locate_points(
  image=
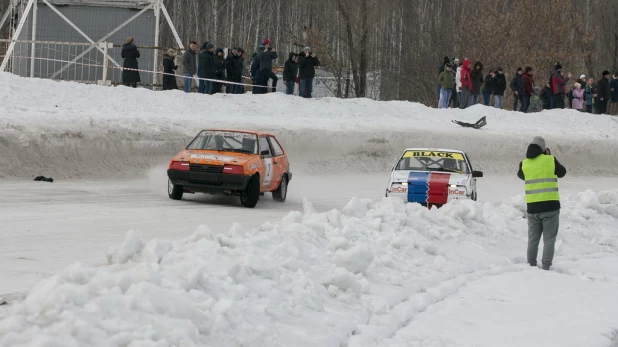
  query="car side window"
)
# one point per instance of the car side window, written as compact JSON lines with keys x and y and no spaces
{"x":277,"y":150}
{"x":265,"y":147}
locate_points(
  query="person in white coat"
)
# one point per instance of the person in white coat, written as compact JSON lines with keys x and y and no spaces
{"x":458,"y":85}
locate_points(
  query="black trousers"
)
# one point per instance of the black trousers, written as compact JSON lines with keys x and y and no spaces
{"x":267,"y":73}
{"x":602,"y":106}
{"x":255,"y":81}
{"x":559,"y":100}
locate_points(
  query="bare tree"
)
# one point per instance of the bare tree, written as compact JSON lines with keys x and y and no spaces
{"x":391,"y":50}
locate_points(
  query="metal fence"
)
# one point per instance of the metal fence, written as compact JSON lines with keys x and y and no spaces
{"x":93,"y":63}
{"x":78,"y":61}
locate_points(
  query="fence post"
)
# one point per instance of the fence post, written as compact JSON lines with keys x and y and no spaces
{"x":157,"y":13}
{"x":33,"y":48}
{"x":105,"y":62}
{"x":9,"y":51}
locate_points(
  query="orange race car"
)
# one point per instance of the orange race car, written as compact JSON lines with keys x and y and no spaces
{"x":233,"y":162}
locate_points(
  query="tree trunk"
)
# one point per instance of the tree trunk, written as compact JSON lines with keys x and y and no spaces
{"x":363,"y":51}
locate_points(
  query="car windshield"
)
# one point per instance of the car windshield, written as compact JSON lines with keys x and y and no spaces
{"x":433,"y":161}
{"x":229,"y":141}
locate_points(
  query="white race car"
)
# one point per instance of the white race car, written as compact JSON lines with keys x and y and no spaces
{"x":433,"y":176}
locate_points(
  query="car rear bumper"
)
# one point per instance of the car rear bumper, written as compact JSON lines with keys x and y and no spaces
{"x":208,"y":182}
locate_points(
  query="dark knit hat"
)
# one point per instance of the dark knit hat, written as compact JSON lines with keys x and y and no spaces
{"x":605,"y":73}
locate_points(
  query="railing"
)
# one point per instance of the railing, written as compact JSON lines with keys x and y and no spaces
{"x":92,"y":63}
{"x":77,"y":61}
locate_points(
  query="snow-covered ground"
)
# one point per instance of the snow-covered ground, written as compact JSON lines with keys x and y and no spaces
{"x":108,"y":262}
{"x":372,"y":273}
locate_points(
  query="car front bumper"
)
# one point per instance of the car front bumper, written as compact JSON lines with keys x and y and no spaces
{"x":208,"y":182}
{"x":424,"y":198}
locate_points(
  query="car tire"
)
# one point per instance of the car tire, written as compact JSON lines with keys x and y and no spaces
{"x":250,"y":196}
{"x":282,"y":191}
{"x":174,"y":191}
{"x":474,"y":196}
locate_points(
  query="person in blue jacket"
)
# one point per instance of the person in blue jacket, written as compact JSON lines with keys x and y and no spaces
{"x":256,"y":72}
{"x":266,"y":65}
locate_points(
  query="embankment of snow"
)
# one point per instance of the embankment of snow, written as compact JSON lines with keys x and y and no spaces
{"x":351,"y":277}
{"x":71,"y":130}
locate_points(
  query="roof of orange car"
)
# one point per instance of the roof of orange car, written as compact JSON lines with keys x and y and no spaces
{"x":240,"y":131}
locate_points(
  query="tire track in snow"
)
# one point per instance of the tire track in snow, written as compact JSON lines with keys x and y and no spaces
{"x":404,"y":312}
{"x":386,"y":326}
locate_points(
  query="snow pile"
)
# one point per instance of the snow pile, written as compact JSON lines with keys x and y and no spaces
{"x":74,"y":130}
{"x":359,"y":276}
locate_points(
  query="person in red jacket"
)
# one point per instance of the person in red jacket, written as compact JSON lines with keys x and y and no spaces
{"x":558,"y":83}
{"x":528,"y":86}
{"x":466,"y":83}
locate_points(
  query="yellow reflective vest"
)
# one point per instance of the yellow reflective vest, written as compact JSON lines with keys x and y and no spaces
{"x":541,"y":180}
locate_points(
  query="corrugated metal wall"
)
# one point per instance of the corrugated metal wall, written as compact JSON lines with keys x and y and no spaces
{"x":95,"y":22}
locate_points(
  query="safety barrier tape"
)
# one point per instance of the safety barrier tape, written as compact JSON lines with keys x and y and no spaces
{"x":142,"y":70}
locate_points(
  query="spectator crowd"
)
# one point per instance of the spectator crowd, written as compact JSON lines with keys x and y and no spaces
{"x":218,"y":72}
{"x":461,"y":86}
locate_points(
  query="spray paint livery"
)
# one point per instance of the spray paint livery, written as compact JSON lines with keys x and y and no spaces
{"x":232,"y":162}
{"x":433,"y":176}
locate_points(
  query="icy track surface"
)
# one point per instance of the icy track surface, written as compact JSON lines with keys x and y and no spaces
{"x":374,"y":273}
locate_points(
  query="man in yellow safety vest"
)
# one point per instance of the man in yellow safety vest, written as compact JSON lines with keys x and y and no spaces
{"x":540,"y":170}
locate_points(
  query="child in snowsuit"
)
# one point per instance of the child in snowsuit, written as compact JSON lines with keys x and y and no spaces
{"x":578,"y":98}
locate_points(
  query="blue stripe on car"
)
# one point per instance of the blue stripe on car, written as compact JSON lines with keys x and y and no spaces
{"x":418,"y":186}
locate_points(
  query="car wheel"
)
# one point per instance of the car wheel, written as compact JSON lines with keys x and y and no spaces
{"x":249,"y":197}
{"x":282,"y":191}
{"x":174,"y":191}
{"x":474,"y":196}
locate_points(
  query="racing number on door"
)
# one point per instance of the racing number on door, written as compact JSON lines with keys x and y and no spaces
{"x":267,"y":160}
{"x":268,"y":169}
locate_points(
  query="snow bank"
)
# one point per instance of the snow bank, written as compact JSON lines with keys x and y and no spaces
{"x":359,"y":276}
{"x":70,"y":130}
